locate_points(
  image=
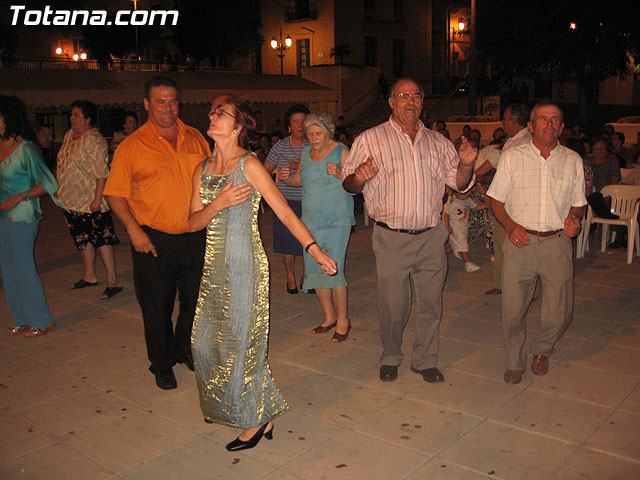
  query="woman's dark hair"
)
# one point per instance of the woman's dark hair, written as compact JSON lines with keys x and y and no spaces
{"x":577,"y":146}
{"x":89,"y":110}
{"x":244,"y":120}
{"x":297,"y":108}
{"x":599,"y":139}
{"x":14,"y":113}
{"x":128,"y":114}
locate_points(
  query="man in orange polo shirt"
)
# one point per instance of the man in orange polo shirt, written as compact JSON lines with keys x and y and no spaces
{"x":149,"y":189}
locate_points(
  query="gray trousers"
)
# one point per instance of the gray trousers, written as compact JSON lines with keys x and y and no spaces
{"x":499,"y":236}
{"x":399,"y":258}
{"x":551,"y":260}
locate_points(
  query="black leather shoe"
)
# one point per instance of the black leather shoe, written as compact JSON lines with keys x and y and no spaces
{"x":431,"y":375}
{"x":388,"y":373}
{"x":238,"y":444}
{"x":186,"y":359}
{"x":165,"y":379}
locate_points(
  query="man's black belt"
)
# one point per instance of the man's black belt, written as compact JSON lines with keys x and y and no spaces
{"x":401,"y":230}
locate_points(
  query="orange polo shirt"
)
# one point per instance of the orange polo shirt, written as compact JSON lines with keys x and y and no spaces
{"x":154,"y":178}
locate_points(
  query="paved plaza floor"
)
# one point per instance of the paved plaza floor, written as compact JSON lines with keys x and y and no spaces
{"x":79,"y":403}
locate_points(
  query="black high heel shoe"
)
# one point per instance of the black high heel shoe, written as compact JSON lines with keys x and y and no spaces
{"x":269,"y":435}
{"x":238,"y":444}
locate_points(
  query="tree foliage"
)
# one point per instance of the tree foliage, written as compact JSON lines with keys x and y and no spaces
{"x":218,"y":31}
{"x":526,"y":36}
{"x":341,"y":51}
{"x":103,"y":41}
{"x":532,"y":36}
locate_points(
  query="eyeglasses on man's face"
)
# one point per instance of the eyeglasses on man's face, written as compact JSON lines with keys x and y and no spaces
{"x":404,"y":96}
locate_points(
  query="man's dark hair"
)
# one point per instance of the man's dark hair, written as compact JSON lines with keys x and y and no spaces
{"x":89,"y":110}
{"x":620,"y":136}
{"x":158,"y":81}
{"x":297,"y":108}
{"x":16,"y":121}
{"x":520,"y":113}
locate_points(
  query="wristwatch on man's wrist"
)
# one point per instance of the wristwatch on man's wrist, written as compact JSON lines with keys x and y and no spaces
{"x":27,"y":197}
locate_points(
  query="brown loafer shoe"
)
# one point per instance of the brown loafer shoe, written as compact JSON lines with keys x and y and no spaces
{"x":513,"y":377}
{"x":540,"y":364}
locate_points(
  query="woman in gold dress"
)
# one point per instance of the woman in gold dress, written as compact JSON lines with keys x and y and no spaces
{"x":231,"y":326}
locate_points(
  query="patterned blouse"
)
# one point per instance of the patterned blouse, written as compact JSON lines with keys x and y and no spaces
{"x":80,"y":163}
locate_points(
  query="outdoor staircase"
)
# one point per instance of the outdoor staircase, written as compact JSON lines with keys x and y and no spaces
{"x":375,"y":115}
{"x":437,"y":107}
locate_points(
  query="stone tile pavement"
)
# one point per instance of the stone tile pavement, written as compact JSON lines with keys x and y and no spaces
{"x":79,"y":403}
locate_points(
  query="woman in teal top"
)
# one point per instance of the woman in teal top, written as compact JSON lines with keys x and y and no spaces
{"x":23,"y":178}
{"x":328,"y":213}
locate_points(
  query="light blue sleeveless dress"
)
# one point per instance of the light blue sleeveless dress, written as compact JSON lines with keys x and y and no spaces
{"x":231,"y":324}
{"x":327,"y":211}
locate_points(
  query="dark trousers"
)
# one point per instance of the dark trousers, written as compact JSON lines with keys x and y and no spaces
{"x":178,"y":267}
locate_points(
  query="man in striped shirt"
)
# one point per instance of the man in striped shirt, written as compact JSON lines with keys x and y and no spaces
{"x":402,"y":169}
{"x":537,"y":195}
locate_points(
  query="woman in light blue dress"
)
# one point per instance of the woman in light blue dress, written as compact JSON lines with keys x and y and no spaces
{"x":328,"y":213}
{"x":23,"y":178}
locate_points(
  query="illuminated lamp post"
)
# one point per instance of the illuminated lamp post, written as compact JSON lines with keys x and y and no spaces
{"x":280,"y":46}
{"x":135,"y":8}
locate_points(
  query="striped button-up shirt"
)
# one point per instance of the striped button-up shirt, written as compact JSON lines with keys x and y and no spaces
{"x":537,"y":193}
{"x":408,"y":189}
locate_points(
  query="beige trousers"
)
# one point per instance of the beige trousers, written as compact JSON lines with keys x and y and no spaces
{"x":551,"y":260}
{"x":401,"y":257}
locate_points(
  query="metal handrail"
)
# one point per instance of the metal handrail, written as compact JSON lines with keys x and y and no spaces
{"x":361,"y":98}
{"x":450,"y":94}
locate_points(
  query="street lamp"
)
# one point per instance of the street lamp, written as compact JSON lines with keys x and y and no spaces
{"x":135,"y":8}
{"x":280,"y":46}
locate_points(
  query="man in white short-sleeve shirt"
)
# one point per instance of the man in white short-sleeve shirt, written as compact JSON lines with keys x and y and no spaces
{"x":537,"y":195}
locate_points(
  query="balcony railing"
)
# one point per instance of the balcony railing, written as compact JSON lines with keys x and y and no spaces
{"x":92,"y":64}
{"x":293,"y":13}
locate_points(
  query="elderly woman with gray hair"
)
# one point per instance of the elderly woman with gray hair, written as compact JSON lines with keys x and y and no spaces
{"x":328,"y":213}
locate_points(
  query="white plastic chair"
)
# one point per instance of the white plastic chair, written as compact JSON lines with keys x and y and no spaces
{"x":582,"y":243}
{"x":625,"y":201}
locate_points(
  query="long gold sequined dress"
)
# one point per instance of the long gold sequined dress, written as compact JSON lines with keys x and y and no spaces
{"x":231,"y":325}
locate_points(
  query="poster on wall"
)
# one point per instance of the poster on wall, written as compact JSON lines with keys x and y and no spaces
{"x":491,"y":106}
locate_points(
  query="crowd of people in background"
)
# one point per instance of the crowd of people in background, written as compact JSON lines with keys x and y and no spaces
{"x":422,"y":189}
